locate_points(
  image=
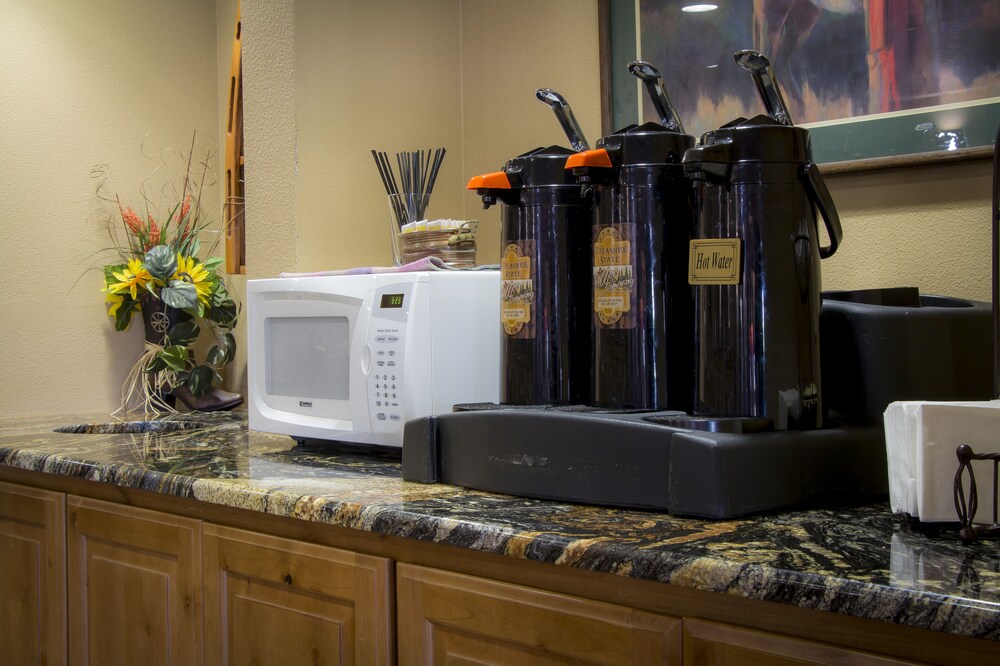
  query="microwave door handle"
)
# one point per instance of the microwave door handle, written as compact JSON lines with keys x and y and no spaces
{"x":366,"y":359}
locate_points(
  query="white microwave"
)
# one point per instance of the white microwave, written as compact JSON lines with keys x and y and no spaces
{"x":354,"y":357}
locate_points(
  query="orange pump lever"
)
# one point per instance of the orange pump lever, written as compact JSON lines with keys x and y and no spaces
{"x":489,"y":181}
{"x":589,"y":158}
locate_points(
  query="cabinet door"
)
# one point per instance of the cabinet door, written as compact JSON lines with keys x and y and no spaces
{"x":446,"y":618}
{"x":33,"y":575}
{"x":717,"y":644}
{"x":270,"y":600}
{"x":134,"y":585}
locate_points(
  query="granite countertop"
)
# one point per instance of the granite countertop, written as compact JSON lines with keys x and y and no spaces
{"x":862,"y":561}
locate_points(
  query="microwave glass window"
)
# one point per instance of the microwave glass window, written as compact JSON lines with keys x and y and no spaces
{"x":308,"y":357}
{"x":391,"y":301}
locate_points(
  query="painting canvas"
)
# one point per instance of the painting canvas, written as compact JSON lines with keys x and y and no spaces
{"x":835,"y":60}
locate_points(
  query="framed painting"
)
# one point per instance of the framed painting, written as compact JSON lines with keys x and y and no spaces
{"x":877,"y":82}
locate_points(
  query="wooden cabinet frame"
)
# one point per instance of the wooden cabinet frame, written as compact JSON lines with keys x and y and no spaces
{"x":293,"y":602}
{"x":33,"y":555}
{"x":134,"y":581}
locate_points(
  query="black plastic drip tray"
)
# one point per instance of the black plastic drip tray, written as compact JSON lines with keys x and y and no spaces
{"x":640,"y":460}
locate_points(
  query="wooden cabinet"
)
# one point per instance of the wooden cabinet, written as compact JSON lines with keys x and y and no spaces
{"x":32,"y":575}
{"x":134,"y":581}
{"x":270,"y":600}
{"x":183,"y":582}
{"x":446,"y":618}
{"x":717,"y":644}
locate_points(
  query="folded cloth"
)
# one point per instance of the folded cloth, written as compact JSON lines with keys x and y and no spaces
{"x":422,"y":264}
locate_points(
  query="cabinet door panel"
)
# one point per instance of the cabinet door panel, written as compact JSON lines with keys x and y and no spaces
{"x":717,"y":644}
{"x":281,"y":601}
{"x":33,"y":575}
{"x":446,"y":618}
{"x":134,"y":585}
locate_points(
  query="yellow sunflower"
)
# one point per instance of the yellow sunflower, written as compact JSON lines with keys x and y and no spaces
{"x":189,"y":270}
{"x":132,"y":278}
{"x":116,"y":301}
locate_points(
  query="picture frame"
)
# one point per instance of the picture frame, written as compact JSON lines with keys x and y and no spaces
{"x":830,"y":70}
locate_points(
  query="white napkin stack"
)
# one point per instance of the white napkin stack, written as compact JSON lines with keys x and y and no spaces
{"x":921,"y":438}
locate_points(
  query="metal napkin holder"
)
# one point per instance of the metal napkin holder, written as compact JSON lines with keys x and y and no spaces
{"x":967,"y":503}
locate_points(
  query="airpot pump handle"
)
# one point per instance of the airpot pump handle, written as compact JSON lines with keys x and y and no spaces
{"x":763,"y":77}
{"x":565,"y":116}
{"x":657,"y":93}
{"x":820,"y":195}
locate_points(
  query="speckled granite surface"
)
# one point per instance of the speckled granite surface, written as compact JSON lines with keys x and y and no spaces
{"x":861,"y":561}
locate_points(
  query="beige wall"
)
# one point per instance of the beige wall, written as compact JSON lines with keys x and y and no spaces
{"x":925,"y":226}
{"x":325,"y":82}
{"x":83,"y":83}
{"x":509,"y":50}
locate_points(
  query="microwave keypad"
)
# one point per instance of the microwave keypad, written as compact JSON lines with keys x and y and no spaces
{"x":385,"y":384}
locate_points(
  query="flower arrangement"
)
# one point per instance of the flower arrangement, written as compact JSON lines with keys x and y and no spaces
{"x":158,"y":272}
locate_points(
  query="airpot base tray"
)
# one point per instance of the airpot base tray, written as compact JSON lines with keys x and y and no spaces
{"x":644,"y":460}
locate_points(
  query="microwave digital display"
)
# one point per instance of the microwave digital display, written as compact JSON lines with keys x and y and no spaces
{"x":391,"y":301}
{"x":324,"y":341}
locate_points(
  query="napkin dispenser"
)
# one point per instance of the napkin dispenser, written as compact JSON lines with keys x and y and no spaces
{"x":921,"y":438}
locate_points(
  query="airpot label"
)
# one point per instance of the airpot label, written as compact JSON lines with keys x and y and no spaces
{"x":613,"y":277}
{"x":518,"y":288}
{"x":715,"y":261}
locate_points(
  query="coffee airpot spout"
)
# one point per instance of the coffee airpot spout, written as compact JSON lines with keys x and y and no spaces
{"x":763,"y":77}
{"x":657,"y":93}
{"x":565,"y":116}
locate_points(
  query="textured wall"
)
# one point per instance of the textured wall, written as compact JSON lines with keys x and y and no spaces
{"x":269,"y":135}
{"x":927,"y":227}
{"x":509,"y":50}
{"x":81,"y":84}
{"x":328,"y":82}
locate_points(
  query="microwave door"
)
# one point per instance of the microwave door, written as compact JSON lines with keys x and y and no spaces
{"x":303,"y":348}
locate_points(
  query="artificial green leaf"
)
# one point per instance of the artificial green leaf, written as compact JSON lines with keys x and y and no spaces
{"x":174,"y":356}
{"x":181,"y":295}
{"x":161,"y":262}
{"x":212,"y":264}
{"x":184,"y":333}
{"x":215,"y":356}
{"x":156,"y":365}
{"x":109,"y":273}
{"x":123,"y":316}
{"x":200,"y":380}
{"x":224,"y":313}
{"x":229,"y":343}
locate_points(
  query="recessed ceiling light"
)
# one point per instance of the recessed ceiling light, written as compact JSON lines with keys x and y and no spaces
{"x":694,"y":9}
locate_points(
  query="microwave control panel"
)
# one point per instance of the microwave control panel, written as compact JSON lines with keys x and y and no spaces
{"x":385,"y":383}
{"x":387,"y":339}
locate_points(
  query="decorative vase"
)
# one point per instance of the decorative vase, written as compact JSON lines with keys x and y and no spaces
{"x":158,"y":318}
{"x":158,"y":391}
{"x":145,"y":391}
